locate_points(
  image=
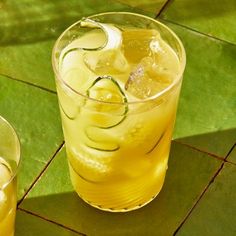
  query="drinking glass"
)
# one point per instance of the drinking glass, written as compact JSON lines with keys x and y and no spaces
{"x":118,"y":121}
{"x":9,"y":164}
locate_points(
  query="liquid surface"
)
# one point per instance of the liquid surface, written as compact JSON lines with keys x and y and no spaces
{"x":7,"y":200}
{"x":118,"y":152}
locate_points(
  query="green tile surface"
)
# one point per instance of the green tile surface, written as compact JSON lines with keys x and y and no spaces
{"x":216,"y":18}
{"x":25,"y":24}
{"x":28,"y":25}
{"x":232,"y":155}
{"x":215,"y":213}
{"x":33,"y":20}
{"x":152,"y":6}
{"x":188,"y":174}
{"x":29,"y":62}
{"x":34,"y":114}
{"x":206,"y":120}
{"x":29,"y":225}
{"x":206,"y":116}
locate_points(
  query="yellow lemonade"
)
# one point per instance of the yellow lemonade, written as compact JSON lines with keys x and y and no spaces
{"x":118,"y":117}
{"x":7,"y":200}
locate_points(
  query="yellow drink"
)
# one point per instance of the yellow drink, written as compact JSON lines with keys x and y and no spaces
{"x":7,"y":200}
{"x":9,"y":163}
{"x":118,"y":105}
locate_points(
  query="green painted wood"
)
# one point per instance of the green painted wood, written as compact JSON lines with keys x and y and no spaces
{"x":206,"y":116}
{"x":215,"y":213}
{"x":29,"y":225}
{"x":188,"y":174}
{"x":34,"y":114}
{"x":215,"y":18}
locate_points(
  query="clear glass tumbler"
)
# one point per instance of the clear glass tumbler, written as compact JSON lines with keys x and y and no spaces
{"x":118,"y":78}
{"x":9,"y":164}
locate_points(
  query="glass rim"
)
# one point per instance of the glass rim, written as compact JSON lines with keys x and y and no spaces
{"x":14,"y":173}
{"x":149,"y":99}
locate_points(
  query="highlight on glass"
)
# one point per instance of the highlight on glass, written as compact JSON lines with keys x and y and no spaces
{"x":118,"y":78}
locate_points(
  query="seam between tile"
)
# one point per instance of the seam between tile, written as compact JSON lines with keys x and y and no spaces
{"x":166,"y":4}
{"x":230,"y":162}
{"x":51,"y":221}
{"x":196,"y":31}
{"x":28,"y":83}
{"x":40,"y":174}
{"x":234,"y":146}
{"x":199,"y":150}
{"x":199,"y":198}
{"x":34,"y":41}
{"x":204,"y":191}
{"x":231,"y":150}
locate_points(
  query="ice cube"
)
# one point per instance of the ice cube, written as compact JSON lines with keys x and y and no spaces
{"x":108,"y":58}
{"x":147,"y":79}
{"x":155,"y":46}
{"x":165,"y":59}
{"x":106,"y":61}
{"x":137,"y":43}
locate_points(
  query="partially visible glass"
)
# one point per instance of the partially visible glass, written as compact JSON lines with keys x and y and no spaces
{"x":9,"y":164}
{"x":118,"y":78}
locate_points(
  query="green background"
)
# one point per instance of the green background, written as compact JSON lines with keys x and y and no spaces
{"x":198,"y":197}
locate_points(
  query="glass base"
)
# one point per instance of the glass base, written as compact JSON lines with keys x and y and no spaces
{"x":120,"y":209}
{"x":122,"y":197}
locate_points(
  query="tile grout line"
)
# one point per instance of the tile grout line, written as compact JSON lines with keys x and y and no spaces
{"x":28,"y":83}
{"x":51,"y":221}
{"x":225,"y":159}
{"x":230,"y":162}
{"x":40,"y":174}
{"x":196,"y":31}
{"x":204,"y":191}
{"x":166,"y":4}
{"x":231,"y":149}
{"x":199,"y":198}
{"x":199,"y":150}
{"x":29,"y":41}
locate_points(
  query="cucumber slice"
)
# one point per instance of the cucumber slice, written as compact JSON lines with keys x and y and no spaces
{"x":72,"y":117}
{"x":100,"y":140}
{"x":104,"y":115}
{"x":112,"y":109}
{"x":156,"y":144}
{"x":104,"y":147}
{"x":87,"y":171}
